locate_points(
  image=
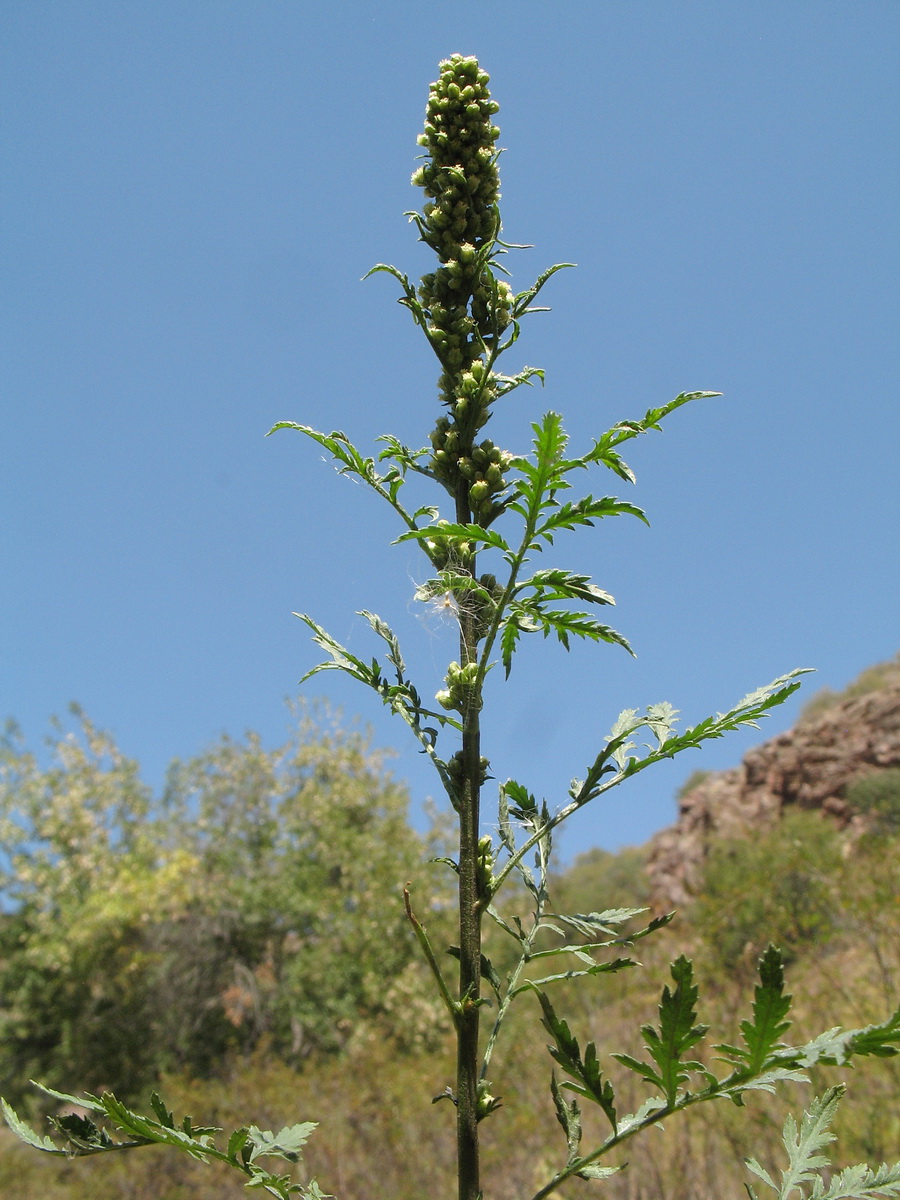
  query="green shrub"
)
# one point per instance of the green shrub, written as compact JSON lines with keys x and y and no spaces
{"x":878,"y":795}
{"x":776,"y":886}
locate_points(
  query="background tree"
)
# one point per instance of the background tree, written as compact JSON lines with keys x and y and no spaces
{"x":141,"y":937}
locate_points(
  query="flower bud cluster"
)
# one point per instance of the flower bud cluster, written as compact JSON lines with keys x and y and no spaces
{"x":484,"y":603}
{"x":485,"y":864}
{"x":466,"y":306}
{"x":461,"y":179}
{"x":455,"y":768}
{"x":482,"y":467}
{"x":460,"y":689}
{"x":445,"y":551}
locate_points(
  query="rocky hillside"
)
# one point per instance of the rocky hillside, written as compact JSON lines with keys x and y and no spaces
{"x":838,"y":739}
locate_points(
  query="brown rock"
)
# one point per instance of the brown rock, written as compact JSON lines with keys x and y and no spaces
{"x":810,"y":766}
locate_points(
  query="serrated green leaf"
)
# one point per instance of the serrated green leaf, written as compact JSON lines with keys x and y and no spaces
{"x":25,"y":1133}
{"x":764,"y":1082}
{"x":618,"y":743}
{"x":837,"y":1046}
{"x":770,"y":1007}
{"x":859,"y":1183}
{"x":804,"y":1145}
{"x":524,"y":801}
{"x":604,"y":449}
{"x":651,"y":1106}
{"x":640,"y":1068}
{"x":509,"y":637}
{"x":590,"y":924}
{"x":760,"y":1171}
{"x":661,"y":719}
{"x":595,"y":1171}
{"x":163,"y":1115}
{"x":585,"y":1071}
{"x":236,"y":1145}
{"x":595,"y":968}
{"x":585,"y":512}
{"x":287,"y":1143}
{"x":882,"y":1040}
{"x":151,"y":1131}
{"x":677,"y":1033}
{"x":87,"y":1101}
{"x":556,"y":584}
{"x":529,"y":616}
{"x":446,"y":530}
{"x":569,"y":1116}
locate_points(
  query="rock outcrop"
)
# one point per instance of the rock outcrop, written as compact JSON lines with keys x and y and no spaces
{"x":808,"y":767}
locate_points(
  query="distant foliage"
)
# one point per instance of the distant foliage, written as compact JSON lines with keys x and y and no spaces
{"x":878,"y":795}
{"x":599,"y":879}
{"x":141,"y":936}
{"x":777,"y":885}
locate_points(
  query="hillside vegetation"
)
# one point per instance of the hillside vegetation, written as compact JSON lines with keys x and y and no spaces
{"x":242,"y":939}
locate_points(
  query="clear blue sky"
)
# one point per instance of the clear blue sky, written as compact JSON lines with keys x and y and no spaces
{"x":192,"y":193}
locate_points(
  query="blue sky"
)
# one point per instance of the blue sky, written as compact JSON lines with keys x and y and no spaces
{"x":192,"y":193}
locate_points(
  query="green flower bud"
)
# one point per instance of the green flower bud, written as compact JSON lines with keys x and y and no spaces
{"x":485,"y":1105}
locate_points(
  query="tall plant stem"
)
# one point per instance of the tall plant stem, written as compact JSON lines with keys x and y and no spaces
{"x":470,"y":915}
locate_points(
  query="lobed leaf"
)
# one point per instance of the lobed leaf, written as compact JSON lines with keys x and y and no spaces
{"x":531,"y":617}
{"x":556,"y":584}
{"x":770,"y":1007}
{"x":25,"y":1133}
{"x":83,"y":1137}
{"x":604,"y":449}
{"x":859,"y":1183}
{"x":287,"y":1143}
{"x":677,"y":1033}
{"x":835,"y":1047}
{"x":446,"y":530}
{"x":584,"y":1070}
{"x":585,"y":512}
{"x":804,"y":1145}
{"x":569,"y":1116}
